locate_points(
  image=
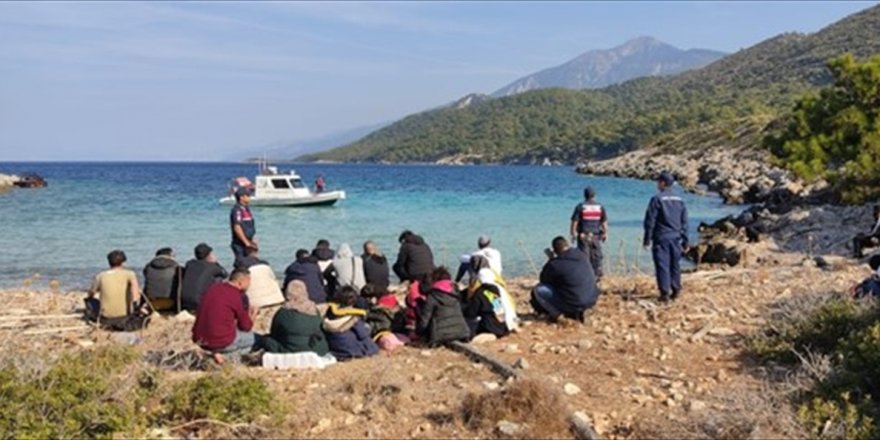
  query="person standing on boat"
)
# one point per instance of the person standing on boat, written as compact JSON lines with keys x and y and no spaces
{"x":589,"y":226}
{"x":666,"y":232}
{"x":241,"y":222}
{"x":319,"y":184}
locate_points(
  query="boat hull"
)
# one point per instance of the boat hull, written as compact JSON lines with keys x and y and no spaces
{"x":322,"y":199}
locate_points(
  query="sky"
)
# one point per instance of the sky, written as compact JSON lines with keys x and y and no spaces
{"x":202,"y":81}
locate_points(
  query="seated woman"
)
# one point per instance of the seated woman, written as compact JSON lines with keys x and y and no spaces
{"x":296,"y":326}
{"x":489,"y":308}
{"x":440,"y":317}
{"x":347,"y":333}
{"x":385,"y":318}
{"x":346,"y":269}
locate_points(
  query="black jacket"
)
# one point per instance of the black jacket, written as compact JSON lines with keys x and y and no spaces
{"x":197,"y":276}
{"x":441,"y":319}
{"x":376,"y":271}
{"x":414,"y":260}
{"x":479,"y":311}
{"x":571,"y":277}
{"x":161,"y":278}
{"x":308,"y":272}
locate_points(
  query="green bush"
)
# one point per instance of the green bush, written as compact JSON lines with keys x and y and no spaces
{"x":838,"y":418}
{"x":220,"y":397}
{"x":820,"y":330}
{"x":835,"y":135}
{"x":81,"y":395}
{"x":106,"y":393}
{"x":840,"y":405}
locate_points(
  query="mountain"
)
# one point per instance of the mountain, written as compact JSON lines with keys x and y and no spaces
{"x":287,"y":150}
{"x":572,"y":125}
{"x":642,"y":56}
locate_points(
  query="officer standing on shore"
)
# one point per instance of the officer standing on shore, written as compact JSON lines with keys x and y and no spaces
{"x":666,"y":231}
{"x":589,"y":226}
{"x":241,"y":222}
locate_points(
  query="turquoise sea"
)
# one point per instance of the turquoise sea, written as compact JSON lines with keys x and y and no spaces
{"x":64,"y":231}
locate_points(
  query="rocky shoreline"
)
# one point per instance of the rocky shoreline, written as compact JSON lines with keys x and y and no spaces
{"x":742,"y":175}
{"x":789,"y":221}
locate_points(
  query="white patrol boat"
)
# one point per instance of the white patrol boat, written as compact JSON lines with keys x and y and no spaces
{"x":277,"y":189}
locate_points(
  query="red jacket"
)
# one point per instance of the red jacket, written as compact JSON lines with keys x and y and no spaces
{"x":221,"y":312}
{"x":414,"y":299}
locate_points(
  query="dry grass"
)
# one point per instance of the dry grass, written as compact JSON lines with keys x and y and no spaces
{"x":528,"y":402}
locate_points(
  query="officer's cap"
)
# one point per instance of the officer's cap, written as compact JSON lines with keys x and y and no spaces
{"x":241,"y":191}
{"x":666,"y":177}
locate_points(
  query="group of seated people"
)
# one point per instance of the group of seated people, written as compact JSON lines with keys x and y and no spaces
{"x":340,"y":303}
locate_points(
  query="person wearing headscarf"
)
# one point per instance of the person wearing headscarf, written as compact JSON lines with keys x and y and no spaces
{"x":296,"y":326}
{"x":346,"y":269}
{"x":489,"y":308}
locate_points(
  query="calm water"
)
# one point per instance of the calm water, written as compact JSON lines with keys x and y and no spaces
{"x":64,"y":231}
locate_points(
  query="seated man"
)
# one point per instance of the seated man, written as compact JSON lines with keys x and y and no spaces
{"x":162,"y":280}
{"x":568,"y":286}
{"x":198,"y":274}
{"x":322,"y":254}
{"x":869,"y":287}
{"x":415,"y":259}
{"x":871,"y":239}
{"x":224,"y":323}
{"x":492,"y":256}
{"x":306,"y":269}
{"x":117,"y":290}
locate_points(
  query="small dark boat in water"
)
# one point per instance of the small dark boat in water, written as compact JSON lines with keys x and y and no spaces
{"x":31,"y":180}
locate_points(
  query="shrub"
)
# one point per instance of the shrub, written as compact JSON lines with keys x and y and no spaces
{"x":839,"y":404}
{"x":220,"y":397}
{"x":81,"y":395}
{"x":529,"y":402}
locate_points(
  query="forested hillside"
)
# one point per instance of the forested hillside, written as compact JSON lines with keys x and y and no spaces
{"x":569,"y":126}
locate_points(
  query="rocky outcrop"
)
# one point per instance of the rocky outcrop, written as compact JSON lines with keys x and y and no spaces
{"x":769,"y":233}
{"x":740,"y":175}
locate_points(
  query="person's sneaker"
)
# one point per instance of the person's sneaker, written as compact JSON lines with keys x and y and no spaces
{"x":674,"y":296}
{"x":663,"y":299}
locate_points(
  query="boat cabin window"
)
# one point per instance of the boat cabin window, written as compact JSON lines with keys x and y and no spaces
{"x":280,"y":184}
{"x":297,"y":183}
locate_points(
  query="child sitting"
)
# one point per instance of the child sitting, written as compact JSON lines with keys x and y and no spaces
{"x":385,"y":318}
{"x":415,"y":297}
{"x":869,"y":286}
{"x":440,"y":317}
{"x":347,"y":333}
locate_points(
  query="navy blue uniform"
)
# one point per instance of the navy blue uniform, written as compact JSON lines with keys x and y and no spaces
{"x":590,"y":216}
{"x":241,"y":215}
{"x":666,"y":227}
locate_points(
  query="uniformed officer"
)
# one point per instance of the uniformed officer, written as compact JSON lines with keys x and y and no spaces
{"x":241,"y":222}
{"x":666,"y":231}
{"x":589,"y":226}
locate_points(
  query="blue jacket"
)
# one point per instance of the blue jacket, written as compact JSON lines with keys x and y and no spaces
{"x":347,"y":334}
{"x":666,"y":218}
{"x":869,"y":287}
{"x":572,"y":279}
{"x":309,"y":273}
